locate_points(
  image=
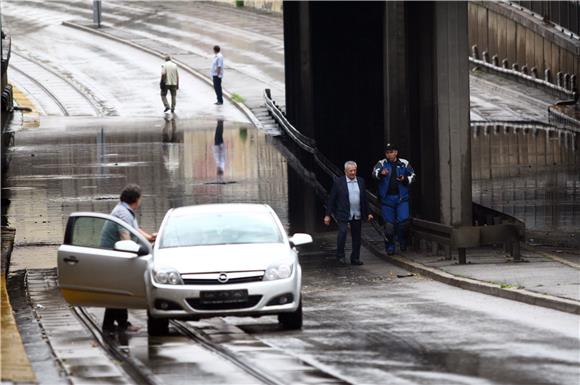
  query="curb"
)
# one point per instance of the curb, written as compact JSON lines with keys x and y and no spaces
{"x":520,"y":295}
{"x":241,"y":106}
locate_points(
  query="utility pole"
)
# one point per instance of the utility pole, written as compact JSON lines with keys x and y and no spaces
{"x":97,"y":13}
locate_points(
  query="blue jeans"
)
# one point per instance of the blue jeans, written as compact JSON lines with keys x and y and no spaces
{"x":396,"y":215}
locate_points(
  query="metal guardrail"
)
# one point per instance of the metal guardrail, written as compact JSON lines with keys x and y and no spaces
{"x":493,"y":227}
{"x":523,"y":76}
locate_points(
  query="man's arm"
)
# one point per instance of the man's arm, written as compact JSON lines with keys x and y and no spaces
{"x":220,"y":64}
{"x":150,"y":237}
{"x":378,"y":171}
{"x":364,"y":203}
{"x":331,"y":202}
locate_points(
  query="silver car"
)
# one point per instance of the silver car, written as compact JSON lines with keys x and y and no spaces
{"x":208,"y":260}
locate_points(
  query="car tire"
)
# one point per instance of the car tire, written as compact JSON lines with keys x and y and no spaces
{"x":157,"y":326}
{"x":292,"y":321}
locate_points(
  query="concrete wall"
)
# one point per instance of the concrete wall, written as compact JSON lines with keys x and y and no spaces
{"x":360,"y":74}
{"x":521,"y":38}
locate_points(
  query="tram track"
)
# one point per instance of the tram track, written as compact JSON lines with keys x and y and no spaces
{"x":140,"y":373}
{"x":132,"y":367}
{"x":198,"y":337}
{"x":71,"y":99}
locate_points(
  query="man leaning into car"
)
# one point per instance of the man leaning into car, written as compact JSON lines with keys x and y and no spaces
{"x":130,"y":200}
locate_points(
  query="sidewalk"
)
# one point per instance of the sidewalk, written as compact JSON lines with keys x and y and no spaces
{"x":543,"y":279}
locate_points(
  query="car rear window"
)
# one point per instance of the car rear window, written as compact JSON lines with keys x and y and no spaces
{"x":218,"y":229}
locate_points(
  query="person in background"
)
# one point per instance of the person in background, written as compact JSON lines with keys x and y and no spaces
{"x":217,"y":74}
{"x":395,"y":175}
{"x":169,"y":82}
{"x":348,"y":204}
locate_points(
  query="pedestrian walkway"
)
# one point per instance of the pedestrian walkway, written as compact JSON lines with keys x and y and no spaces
{"x":542,"y":278}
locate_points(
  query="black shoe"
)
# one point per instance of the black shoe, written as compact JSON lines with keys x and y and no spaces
{"x":358,"y":262}
{"x":341,"y":261}
{"x":172,"y":110}
{"x":390,"y":252}
{"x":218,"y":103}
{"x":166,"y":109}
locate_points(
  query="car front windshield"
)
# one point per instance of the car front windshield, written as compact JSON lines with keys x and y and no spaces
{"x":201,"y":229}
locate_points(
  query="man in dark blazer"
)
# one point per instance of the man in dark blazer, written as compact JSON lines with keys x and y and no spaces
{"x":348,"y":203}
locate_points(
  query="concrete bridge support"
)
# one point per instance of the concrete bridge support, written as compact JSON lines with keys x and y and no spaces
{"x":359,"y":74}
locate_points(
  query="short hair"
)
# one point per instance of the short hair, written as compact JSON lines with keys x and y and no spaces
{"x":131,"y":194}
{"x":350,"y":163}
{"x":167,"y":57}
{"x":216,"y":48}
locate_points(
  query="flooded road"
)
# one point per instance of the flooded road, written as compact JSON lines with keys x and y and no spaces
{"x":83,"y":164}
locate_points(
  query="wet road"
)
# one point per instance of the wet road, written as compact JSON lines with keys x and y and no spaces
{"x":362,"y":325}
{"x":117,"y":79}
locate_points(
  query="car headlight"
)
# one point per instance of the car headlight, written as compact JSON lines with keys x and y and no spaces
{"x":167,"y":276}
{"x":278,"y":272}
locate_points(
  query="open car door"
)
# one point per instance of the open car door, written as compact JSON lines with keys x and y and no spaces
{"x":92,"y":271}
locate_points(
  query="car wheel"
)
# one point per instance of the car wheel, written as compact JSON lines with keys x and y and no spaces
{"x":291,"y":321}
{"x":157,"y":326}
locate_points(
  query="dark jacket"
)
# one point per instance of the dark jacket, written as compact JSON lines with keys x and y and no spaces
{"x":338,"y":202}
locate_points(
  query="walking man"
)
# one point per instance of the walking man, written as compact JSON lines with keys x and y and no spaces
{"x":394,"y":175}
{"x":169,"y":82}
{"x":130,"y":200}
{"x":217,"y":74}
{"x":348,"y":203}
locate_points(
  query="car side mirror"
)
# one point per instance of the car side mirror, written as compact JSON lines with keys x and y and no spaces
{"x":300,"y":239}
{"x":129,"y":246}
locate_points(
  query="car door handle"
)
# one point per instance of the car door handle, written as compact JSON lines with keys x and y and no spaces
{"x":71,"y":260}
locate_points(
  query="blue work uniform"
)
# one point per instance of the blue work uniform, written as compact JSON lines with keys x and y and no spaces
{"x":394,"y":198}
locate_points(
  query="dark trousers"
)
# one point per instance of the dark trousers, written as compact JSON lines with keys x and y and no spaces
{"x":217,"y":86}
{"x":173,"y":91}
{"x":355,"y":233}
{"x":119,"y":315}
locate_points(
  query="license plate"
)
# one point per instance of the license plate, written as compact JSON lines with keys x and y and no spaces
{"x":223,"y":296}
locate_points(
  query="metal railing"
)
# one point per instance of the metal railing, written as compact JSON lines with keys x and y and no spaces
{"x":516,"y":73}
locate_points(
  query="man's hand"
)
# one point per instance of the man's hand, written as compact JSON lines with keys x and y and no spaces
{"x":384,"y":171}
{"x":370,"y":217}
{"x":152,"y":237}
{"x":327,"y":220}
{"x":401,"y":178}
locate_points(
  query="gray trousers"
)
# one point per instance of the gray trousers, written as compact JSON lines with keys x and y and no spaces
{"x":173,"y":91}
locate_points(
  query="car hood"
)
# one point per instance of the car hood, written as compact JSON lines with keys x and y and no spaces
{"x":223,"y":258}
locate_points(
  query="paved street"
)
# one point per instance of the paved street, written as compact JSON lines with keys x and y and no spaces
{"x":98,"y":125}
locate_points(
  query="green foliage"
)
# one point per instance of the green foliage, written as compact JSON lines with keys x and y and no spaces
{"x":237,"y":98}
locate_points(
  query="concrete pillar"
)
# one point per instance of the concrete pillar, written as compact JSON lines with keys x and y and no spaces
{"x":452,"y":98}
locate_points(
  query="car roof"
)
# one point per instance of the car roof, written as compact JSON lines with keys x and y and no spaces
{"x":222,"y":208}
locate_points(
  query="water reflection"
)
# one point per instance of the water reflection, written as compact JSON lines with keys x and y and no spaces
{"x":81,"y":165}
{"x":529,"y":171}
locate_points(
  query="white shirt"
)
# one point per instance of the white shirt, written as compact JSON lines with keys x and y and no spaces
{"x":217,"y":62}
{"x":353,"y":197}
{"x":169,"y":69}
